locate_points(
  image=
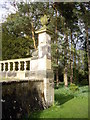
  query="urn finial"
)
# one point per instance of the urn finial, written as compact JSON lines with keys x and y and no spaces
{"x":44,"y":20}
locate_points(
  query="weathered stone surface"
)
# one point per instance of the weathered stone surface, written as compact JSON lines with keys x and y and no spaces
{"x":2,"y":74}
{"x":40,"y":75}
{"x":45,"y":50}
{"x":44,"y":47}
{"x":34,"y":65}
{"x":40,"y":64}
{"x":49,"y":91}
{"x":11,"y":74}
{"x":20,"y":99}
{"x":35,"y":53}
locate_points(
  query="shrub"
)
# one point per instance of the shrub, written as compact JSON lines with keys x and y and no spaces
{"x":84,"y":82}
{"x":73,"y":87}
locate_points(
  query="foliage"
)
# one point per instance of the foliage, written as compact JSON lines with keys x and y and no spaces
{"x":84,"y":82}
{"x":73,"y":87}
{"x":14,"y":47}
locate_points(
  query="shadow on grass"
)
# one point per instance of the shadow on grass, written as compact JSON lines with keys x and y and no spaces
{"x":61,"y":98}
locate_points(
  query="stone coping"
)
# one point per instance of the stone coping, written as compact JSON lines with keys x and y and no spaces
{"x":16,"y":60}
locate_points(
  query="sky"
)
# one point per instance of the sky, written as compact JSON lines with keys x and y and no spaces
{"x":5,"y":8}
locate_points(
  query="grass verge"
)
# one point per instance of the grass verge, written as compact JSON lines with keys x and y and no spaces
{"x":68,"y":104}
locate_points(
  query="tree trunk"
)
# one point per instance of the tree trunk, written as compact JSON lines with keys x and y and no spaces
{"x":79,"y":64}
{"x":65,"y":76}
{"x":65,"y":62}
{"x":33,"y":36}
{"x":71,"y":62}
{"x":57,"y":81}
{"x":88,"y":54}
{"x":75,"y":62}
{"x":89,"y":60}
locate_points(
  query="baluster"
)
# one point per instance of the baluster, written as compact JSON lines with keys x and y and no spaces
{"x":13,"y":66}
{"x":8,"y":66}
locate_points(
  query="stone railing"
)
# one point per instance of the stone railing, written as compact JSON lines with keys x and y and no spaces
{"x":15,"y":68}
{"x":15,"y":64}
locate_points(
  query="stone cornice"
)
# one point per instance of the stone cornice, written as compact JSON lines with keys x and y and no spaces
{"x":44,"y":29}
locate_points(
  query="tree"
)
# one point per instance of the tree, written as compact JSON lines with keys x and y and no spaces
{"x":14,"y":47}
{"x":85,"y":20}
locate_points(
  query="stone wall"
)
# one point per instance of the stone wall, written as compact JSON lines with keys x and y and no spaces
{"x":20,"y":99}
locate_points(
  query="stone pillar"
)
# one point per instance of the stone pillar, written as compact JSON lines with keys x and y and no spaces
{"x":44,"y":70}
{"x":25,"y":65}
{"x":40,"y":69}
{"x":13,"y":66}
{"x":19,"y":65}
{"x":8,"y":66}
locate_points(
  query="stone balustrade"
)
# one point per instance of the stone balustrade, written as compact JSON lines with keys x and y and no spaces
{"x":15,"y":65}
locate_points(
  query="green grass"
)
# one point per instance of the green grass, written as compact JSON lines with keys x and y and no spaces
{"x":68,"y":104}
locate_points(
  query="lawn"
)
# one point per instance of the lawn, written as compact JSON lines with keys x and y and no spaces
{"x":68,"y":104}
